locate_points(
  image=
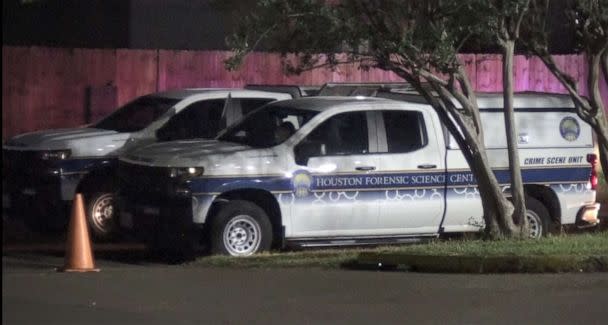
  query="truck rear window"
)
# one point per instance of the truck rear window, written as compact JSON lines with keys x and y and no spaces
{"x":405,"y":131}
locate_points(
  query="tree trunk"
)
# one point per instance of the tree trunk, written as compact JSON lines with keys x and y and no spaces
{"x":591,"y":111}
{"x":517,"y":187}
{"x":497,"y":210}
{"x":599,"y":126}
{"x":598,"y":122}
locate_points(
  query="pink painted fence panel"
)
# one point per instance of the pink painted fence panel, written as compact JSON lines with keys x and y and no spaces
{"x":45,"y":87}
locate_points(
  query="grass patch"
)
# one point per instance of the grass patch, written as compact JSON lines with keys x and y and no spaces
{"x":574,"y":253}
{"x":327,"y":259}
{"x":580,"y":246}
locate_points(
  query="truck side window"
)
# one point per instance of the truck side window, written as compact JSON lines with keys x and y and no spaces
{"x":199,"y":120}
{"x":342,"y":134}
{"x":250,"y":104}
{"x":405,"y":131}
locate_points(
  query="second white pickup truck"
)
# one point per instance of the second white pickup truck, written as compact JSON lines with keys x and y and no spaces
{"x":43,"y":170}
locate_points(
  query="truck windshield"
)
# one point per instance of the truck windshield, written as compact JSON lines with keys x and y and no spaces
{"x":267,"y":126}
{"x":137,"y":114}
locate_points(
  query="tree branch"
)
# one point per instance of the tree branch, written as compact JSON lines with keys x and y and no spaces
{"x":604,"y":64}
{"x":520,"y":18}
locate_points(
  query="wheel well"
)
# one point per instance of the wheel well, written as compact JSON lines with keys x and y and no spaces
{"x":263,"y":199}
{"x":548,"y":198}
{"x":102,"y":179}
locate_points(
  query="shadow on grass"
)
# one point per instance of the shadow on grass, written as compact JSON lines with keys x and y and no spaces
{"x":478,"y":264}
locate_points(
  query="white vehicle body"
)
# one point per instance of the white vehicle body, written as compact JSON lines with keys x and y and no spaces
{"x":48,"y":167}
{"x":390,"y":190}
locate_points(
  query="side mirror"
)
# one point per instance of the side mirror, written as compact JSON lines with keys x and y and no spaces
{"x":306,"y":150}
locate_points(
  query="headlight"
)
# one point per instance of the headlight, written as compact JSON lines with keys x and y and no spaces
{"x":185,"y":172}
{"x":56,"y":154}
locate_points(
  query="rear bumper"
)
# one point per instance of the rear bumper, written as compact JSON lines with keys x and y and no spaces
{"x":588,"y":216}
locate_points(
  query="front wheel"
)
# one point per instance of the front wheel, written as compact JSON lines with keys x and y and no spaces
{"x":538,"y":218}
{"x":101,"y":214}
{"x":240,"y":228}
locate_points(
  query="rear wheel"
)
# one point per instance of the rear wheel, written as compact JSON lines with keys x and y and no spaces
{"x":538,"y":218}
{"x":240,"y":228}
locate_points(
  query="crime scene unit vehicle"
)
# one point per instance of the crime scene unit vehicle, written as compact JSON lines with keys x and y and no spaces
{"x":43,"y":170}
{"x":323,"y":171}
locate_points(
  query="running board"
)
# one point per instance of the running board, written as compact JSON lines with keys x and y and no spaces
{"x":352,"y":241}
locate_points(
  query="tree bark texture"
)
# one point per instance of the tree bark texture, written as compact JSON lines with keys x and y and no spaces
{"x":517,"y":186}
{"x":591,"y":111}
{"x":497,"y":210}
{"x":598,"y":120}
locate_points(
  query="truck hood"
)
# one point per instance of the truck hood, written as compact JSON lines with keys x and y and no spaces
{"x":187,"y":153}
{"x":82,"y":141}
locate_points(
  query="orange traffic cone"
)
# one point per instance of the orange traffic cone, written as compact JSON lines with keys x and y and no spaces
{"x":79,"y":254}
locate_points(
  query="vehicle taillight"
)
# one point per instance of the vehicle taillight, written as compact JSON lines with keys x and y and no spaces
{"x":592,"y":159}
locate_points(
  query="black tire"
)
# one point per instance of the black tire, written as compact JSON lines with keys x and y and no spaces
{"x":240,"y":228}
{"x":102,"y":214}
{"x":538,"y":218}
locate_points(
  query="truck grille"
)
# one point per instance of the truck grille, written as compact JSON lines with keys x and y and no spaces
{"x":17,"y":161}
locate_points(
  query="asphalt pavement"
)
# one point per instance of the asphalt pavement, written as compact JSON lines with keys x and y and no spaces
{"x":149,"y":293}
{"x":131,"y":289}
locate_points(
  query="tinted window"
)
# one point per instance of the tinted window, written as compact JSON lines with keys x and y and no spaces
{"x":136,"y":115}
{"x":198,"y":120}
{"x":343,"y":134}
{"x":250,"y":104}
{"x":267,"y":126}
{"x":405,"y":130}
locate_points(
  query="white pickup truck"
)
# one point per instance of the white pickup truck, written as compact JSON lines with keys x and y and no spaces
{"x":326,"y":171}
{"x":43,"y":170}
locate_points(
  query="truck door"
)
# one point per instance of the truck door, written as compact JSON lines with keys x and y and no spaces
{"x":412,"y":173}
{"x":338,"y":204}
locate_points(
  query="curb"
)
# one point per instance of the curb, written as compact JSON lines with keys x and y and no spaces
{"x":486,"y":264}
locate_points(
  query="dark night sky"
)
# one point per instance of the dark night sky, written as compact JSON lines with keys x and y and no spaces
{"x":145,"y":24}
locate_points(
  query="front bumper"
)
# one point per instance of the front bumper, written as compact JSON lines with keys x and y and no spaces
{"x":34,"y":192}
{"x":31,"y":185}
{"x":150,"y":208}
{"x":163,"y":224}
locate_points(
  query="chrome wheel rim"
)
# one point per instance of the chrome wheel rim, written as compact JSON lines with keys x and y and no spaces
{"x":242,"y":236}
{"x":103,"y":213}
{"x":535,"y":226}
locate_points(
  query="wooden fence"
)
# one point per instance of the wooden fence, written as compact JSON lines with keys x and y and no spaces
{"x":51,"y":87}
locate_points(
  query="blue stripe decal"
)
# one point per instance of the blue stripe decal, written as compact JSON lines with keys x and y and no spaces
{"x":272,"y":183}
{"x":303,"y":181}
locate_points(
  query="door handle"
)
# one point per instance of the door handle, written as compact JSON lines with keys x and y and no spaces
{"x":427,"y":166}
{"x":366,"y":168}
